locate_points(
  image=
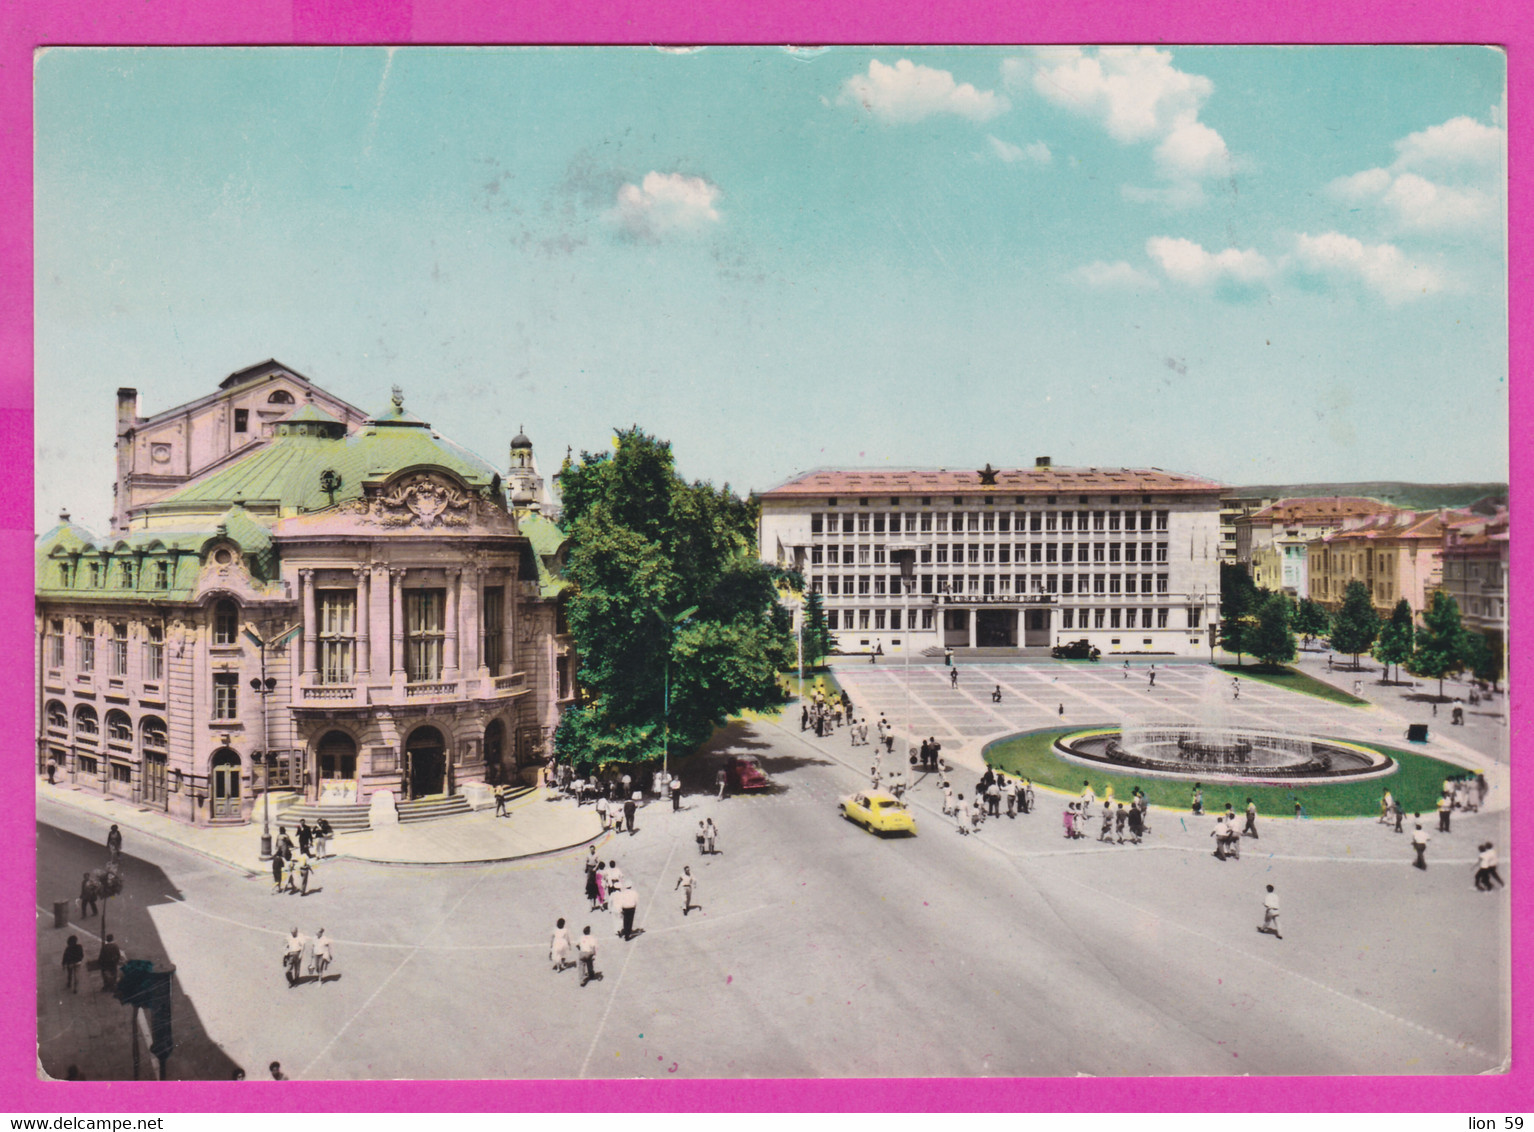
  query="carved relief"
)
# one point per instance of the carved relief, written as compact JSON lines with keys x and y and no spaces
{"x":419,"y":501}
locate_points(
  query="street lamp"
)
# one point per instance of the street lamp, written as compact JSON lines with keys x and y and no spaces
{"x":905,"y":555}
{"x":263,"y":687}
{"x":665,"y":750}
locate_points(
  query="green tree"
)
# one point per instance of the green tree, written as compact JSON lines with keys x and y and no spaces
{"x":1270,"y":639}
{"x":1483,"y":660}
{"x":1239,"y":600}
{"x":1396,"y":638}
{"x":1356,"y":624}
{"x":1311,"y":621}
{"x":818,"y":641}
{"x":1440,"y":646}
{"x":667,"y":595}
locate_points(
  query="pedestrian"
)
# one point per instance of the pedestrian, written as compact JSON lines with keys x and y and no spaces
{"x":627,"y":782}
{"x":1068,"y":819}
{"x":1126,"y":670}
{"x":947,"y":657}
{"x":602,"y":814}
{"x":1235,"y":687}
{"x":1270,"y":914}
{"x":993,"y":798}
{"x":74,"y":955}
{"x":1120,"y":820}
{"x":976,"y":813}
{"x":1198,"y":800}
{"x":305,"y":835}
{"x":1153,"y":676}
{"x":804,"y":718}
{"x":996,"y":695}
{"x":89,"y":891}
{"x":878,"y":652}
{"x":500,"y":802}
{"x":1445,"y":812}
{"x":293,"y":956}
{"x":319,"y":962}
{"x":114,"y":842}
{"x":1088,"y":798}
{"x":676,"y":793}
{"x":1027,"y":795}
{"x":628,"y":904}
{"x":305,"y":871}
{"x":322,"y":835}
{"x":1488,"y":862}
{"x":600,"y":876}
{"x":587,"y":950}
{"x":1358,"y":689}
{"x":1328,"y":662}
{"x":630,"y":808}
{"x":1400,"y":814}
{"x":961,"y":815}
{"x":1419,"y":842}
{"x":1062,"y":709}
{"x":1136,"y":824}
{"x":560,"y":946}
{"x":275,"y":1069}
{"x":710,"y":837}
{"x":290,"y":872}
{"x":1012,"y":799}
{"x":1385,"y":806}
{"x":723,"y":780}
{"x":107,"y":961}
{"x":947,"y":799}
{"x":1106,"y":833}
{"x":284,"y":842}
{"x":53,"y":770}
{"x":687,"y":883}
{"x":953,"y":678}
{"x":277,"y":867}
{"x":701,"y":837}
{"x":1251,"y":819}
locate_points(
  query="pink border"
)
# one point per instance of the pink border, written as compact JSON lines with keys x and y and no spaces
{"x":24,"y":27}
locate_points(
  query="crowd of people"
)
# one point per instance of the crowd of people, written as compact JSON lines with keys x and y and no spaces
{"x":293,"y":865}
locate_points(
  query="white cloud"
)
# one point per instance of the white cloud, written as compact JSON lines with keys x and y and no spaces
{"x":1382,"y":267}
{"x":1137,"y":95}
{"x":664,"y":203}
{"x":1361,"y":186}
{"x":1187,"y":262}
{"x":1459,"y":141}
{"x":1114,"y":276}
{"x":1036,"y":152}
{"x":908,"y":92}
{"x":1420,"y":203}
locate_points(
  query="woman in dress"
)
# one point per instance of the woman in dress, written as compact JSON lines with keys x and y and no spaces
{"x":560,"y":947}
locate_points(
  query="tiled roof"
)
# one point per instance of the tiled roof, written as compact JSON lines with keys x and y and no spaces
{"x":1015,"y":481}
{"x":1305,"y":509}
{"x":1395,"y":525}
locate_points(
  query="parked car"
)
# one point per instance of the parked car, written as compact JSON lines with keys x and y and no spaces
{"x":1075,"y":650}
{"x":746,"y":774}
{"x":878,"y":812}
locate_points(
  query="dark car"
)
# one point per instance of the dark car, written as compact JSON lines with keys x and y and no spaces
{"x":1075,"y":650}
{"x":745,"y":774}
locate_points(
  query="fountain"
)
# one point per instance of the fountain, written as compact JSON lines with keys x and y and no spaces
{"x":1217,"y":748}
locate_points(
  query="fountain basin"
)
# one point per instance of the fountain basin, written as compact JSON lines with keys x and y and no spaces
{"x":1257,"y":757}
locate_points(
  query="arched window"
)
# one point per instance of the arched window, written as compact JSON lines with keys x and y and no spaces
{"x":58,"y":718}
{"x":226,"y":622}
{"x":119,"y":729}
{"x":85,"y":723}
{"x":153,"y":729}
{"x":280,"y":397}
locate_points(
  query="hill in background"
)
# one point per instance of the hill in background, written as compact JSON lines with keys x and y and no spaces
{"x":1414,"y":496}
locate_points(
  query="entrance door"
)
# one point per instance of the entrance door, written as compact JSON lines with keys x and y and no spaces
{"x":1035,"y":627}
{"x":426,"y":751}
{"x":337,"y":753}
{"x":956,"y":628}
{"x":226,"y":785}
{"x":996,"y":628}
{"x":494,"y":744}
{"x":154,"y":779}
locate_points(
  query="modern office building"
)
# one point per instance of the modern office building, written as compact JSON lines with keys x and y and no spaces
{"x":301,"y":594}
{"x":1015,"y":559}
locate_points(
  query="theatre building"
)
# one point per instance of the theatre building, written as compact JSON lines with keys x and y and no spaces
{"x":345,"y":602}
{"x":1010,"y":560}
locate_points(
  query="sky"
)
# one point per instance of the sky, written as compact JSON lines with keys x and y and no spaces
{"x":1255,"y":264}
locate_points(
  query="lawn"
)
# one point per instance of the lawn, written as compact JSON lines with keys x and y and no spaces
{"x":1293,"y":680}
{"x":1416,"y":782}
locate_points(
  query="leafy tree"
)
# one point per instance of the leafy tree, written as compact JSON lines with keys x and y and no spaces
{"x":1356,"y":624}
{"x":1396,"y":637}
{"x":1239,"y":600}
{"x":818,"y":641}
{"x":666,"y":589}
{"x":1481,"y":658}
{"x":1311,"y":621}
{"x":1270,"y":639}
{"x":1440,"y":642}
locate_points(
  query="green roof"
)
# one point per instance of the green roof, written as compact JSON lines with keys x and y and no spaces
{"x":286,"y":472}
{"x":547,"y":540}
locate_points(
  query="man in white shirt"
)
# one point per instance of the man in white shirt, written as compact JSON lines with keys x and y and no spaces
{"x":587,"y":950}
{"x":1270,"y":913}
{"x":1419,"y":842}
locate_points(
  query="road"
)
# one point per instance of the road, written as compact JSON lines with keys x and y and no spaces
{"x":822,"y":950}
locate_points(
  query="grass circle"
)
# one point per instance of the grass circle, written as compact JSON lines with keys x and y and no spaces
{"x":1416,"y":783}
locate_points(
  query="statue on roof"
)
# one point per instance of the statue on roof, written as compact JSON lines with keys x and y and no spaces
{"x":397,"y":395}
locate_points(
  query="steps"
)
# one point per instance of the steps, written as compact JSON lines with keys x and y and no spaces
{"x":512,"y":794}
{"x":342,"y":819}
{"x":432,"y":808}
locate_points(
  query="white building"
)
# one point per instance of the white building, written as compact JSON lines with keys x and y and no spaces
{"x":1012,"y":559}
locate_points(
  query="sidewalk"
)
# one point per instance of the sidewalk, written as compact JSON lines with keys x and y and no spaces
{"x":540,"y":822}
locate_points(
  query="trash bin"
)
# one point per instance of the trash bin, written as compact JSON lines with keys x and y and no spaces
{"x":60,"y":913}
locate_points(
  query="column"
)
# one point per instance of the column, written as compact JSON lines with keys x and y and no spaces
{"x":311,"y":625}
{"x":364,"y":576}
{"x":476,"y":620}
{"x":397,"y":634}
{"x":970,"y":615}
{"x":450,"y":629}
{"x":378,"y":619}
{"x":470,"y":647}
{"x":509,"y":604}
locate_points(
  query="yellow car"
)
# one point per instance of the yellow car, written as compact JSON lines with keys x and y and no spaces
{"x":878,"y":812}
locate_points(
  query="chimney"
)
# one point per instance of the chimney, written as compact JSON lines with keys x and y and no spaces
{"x":1041,"y":461}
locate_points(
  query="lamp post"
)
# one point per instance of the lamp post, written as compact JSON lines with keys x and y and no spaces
{"x":665,"y":750}
{"x":263,"y":687}
{"x":905,"y":555}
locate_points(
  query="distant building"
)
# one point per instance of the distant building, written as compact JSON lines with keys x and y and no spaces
{"x":1273,"y":541}
{"x":1011,"y":559}
{"x":1395,"y":554}
{"x":411,"y":614}
{"x":1475,"y":575}
{"x":1232,"y":509}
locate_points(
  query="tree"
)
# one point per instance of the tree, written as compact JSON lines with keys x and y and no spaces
{"x":1239,"y":599}
{"x":1396,"y":637}
{"x":1311,"y":621}
{"x":1483,"y":660}
{"x":818,"y":641}
{"x":1356,"y":624}
{"x":1270,"y":639}
{"x":668,"y":604}
{"x":1440,"y":642}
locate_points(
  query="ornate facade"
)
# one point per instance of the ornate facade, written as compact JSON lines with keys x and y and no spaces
{"x":350,"y":595}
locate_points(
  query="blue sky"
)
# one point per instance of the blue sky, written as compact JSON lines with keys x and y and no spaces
{"x":1254,"y":264}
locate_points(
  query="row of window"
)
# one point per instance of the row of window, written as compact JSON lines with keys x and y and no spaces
{"x":983,"y":522}
{"x":970,"y":501}
{"x":119,"y":728}
{"x":859,"y":584}
{"x":1113,"y":618}
{"x":997,"y":553}
{"x":96,"y":574}
{"x":117,"y":648}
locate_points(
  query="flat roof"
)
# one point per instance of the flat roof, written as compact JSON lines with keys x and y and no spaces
{"x":1007,"y":481}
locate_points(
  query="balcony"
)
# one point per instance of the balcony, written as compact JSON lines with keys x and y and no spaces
{"x":362,"y":695}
